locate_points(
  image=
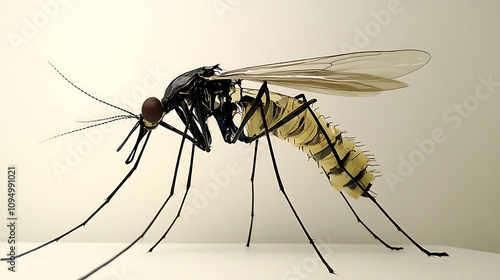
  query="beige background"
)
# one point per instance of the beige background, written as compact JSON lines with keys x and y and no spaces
{"x":444,"y":193}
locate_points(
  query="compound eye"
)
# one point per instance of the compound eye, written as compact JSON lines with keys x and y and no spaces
{"x":152,"y":110}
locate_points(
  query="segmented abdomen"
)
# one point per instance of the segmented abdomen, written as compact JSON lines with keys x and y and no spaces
{"x":302,"y":131}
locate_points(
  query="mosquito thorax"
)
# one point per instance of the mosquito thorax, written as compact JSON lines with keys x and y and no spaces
{"x":152,"y":112}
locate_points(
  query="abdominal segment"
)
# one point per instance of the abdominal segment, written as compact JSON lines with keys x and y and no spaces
{"x":303,"y":132}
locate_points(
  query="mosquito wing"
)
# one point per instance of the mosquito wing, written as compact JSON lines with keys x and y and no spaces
{"x":353,"y":74}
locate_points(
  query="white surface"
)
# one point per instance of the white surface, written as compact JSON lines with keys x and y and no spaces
{"x":113,"y":49}
{"x":260,"y":261}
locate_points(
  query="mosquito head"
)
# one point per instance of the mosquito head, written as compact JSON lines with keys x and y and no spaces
{"x":152,"y":112}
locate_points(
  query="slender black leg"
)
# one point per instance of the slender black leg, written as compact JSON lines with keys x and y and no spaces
{"x":427,"y":252}
{"x":253,"y":192}
{"x":258,"y":99}
{"x":172,"y":188}
{"x":282,"y":189}
{"x":365,"y":192}
{"x":188,"y":186}
{"x":367,"y":228}
{"x":286,"y":119}
{"x":257,"y":103}
{"x":283,"y":121}
{"x":106,"y":201}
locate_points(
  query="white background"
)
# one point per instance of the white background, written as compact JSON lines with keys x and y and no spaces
{"x":446,"y":196}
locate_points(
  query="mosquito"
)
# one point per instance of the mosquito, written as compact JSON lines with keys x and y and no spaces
{"x":208,"y":91}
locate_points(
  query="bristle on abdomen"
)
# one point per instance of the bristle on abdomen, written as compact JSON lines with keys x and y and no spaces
{"x":304,"y":133}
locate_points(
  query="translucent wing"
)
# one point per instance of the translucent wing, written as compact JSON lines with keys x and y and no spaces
{"x":352,"y":74}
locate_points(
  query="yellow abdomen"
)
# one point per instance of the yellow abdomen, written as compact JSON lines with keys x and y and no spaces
{"x":303,"y":132}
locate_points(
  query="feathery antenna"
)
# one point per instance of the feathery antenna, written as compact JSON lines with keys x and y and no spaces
{"x":98,"y":122}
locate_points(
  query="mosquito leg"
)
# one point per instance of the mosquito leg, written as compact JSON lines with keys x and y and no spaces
{"x":263,"y":89}
{"x":188,"y":186}
{"x":367,"y":228}
{"x":283,"y":121}
{"x":365,"y":192}
{"x":106,"y":201}
{"x":282,"y":189}
{"x":253,"y":192}
{"x":293,"y":114}
{"x":172,"y":188}
{"x":257,"y":103}
{"x":427,"y":252}
{"x":286,"y":119}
